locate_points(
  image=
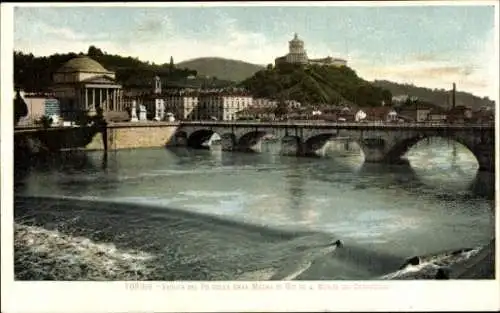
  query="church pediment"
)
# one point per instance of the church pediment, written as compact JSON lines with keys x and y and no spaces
{"x":100,"y":79}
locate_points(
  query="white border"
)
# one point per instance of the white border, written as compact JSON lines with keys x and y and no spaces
{"x":118,"y":297}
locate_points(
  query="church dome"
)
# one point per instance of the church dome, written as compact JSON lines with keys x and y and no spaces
{"x":296,"y":39}
{"x":82,"y":64}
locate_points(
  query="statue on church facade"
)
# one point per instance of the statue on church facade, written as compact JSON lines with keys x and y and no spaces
{"x":159,"y":110}
{"x":142,"y":113}
{"x":133,"y":112}
{"x":157,"y":85}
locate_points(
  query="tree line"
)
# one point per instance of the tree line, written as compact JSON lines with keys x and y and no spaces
{"x":32,"y":73}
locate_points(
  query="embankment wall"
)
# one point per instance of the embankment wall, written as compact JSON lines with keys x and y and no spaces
{"x":139,"y":135}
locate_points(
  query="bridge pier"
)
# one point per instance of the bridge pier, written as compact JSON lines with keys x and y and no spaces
{"x":485,"y":156}
{"x":375,"y":150}
{"x":228,"y":142}
{"x":255,"y":145}
{"x":180,"y":139}
{"x":291,"y":146}
{"x":374,"y":155}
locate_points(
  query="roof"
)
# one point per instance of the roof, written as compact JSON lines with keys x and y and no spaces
{"x":377,"y":111}
{"x":437,"y":110}
{"x":325,"y":59}
{"x":460,"y":108}
{"x":256,"y":110}
{"x":83,"y":64}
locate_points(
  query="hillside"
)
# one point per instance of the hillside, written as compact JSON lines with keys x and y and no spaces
{"x":224,"y":69}
{"x":316,"y":85}
{"x":440,"y":97}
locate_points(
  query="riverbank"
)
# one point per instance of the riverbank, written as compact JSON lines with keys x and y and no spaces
{"x":479,"y":266}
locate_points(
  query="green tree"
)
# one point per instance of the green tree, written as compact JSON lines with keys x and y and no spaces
{"x":35,"y":73}
{"x":282,"y":108}
{"x":20,"y":108}
{"x":44,"y":121}
{"x":315,"y":84}
{"x":94,"y":52}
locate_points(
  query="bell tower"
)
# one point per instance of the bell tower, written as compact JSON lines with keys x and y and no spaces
{"x":157,"y":85}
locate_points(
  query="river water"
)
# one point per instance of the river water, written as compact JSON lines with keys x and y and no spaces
{"x":180,"y":214}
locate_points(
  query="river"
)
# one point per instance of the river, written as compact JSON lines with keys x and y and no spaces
{"x":180,"y":214}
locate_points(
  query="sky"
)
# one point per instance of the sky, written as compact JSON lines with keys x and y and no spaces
{"x":429,"y":46}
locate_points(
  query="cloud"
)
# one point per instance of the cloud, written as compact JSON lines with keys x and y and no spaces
{"x":468,"y":78}
{"x":155,"y":37}
{"x":474,"y":70}
{"x":426,"y":57}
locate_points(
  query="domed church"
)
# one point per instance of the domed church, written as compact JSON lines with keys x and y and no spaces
{"x":297,"y":54}
{"x":82,"y":84}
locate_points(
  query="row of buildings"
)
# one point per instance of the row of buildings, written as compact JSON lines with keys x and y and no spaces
{"x":84,"y":85}
{"x":416,"y":114}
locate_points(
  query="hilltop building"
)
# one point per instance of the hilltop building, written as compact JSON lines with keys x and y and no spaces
{"x":297,"y":55}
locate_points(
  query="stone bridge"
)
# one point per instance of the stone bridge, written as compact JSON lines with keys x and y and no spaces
{"x":380,"y":142}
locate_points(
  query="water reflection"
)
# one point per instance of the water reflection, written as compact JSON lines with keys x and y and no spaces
{"x":295,"y":180}
{"x":449,"y":168}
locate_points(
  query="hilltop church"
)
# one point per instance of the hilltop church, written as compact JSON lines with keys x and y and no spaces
{"x":297,"y":54}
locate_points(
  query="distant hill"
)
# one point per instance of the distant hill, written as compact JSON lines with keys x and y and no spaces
{"x":223,"y":69}
{"x":439,"y":97}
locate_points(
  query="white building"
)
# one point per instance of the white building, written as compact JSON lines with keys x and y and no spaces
{"x":183,"y":106}
{"x":359,"y":116}
{"x":293,"y":104}
{"x":215,"y":105}
{"x":264,"y":102}
{"x":222,"y":106}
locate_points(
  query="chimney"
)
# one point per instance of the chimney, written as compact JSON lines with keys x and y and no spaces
{"x":453,"y":96}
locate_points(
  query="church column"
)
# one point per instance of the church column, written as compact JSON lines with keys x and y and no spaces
{"x":80,"y":99}
{"x":86,"y":98}
{"x":107,"y":100}
{"x":105,"y":95}
{"x":111,"y":103}
{"x":100,"y":100}
{"x":120,"y":99}
{"x":93,"y":98}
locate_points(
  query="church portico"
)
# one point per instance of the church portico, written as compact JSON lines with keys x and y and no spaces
{"x":106,"y":97}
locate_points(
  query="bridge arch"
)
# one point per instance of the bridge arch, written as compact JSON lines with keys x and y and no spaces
{"x":251,"y":141}
{"x":315,"y":143}
{"x":482,"y":149}
{"x":199,"y":137}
